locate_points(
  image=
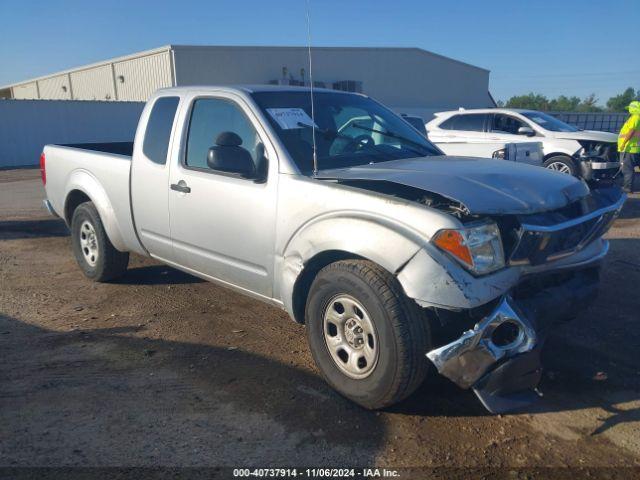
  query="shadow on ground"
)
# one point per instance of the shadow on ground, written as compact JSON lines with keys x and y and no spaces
{"x":156,"y":275}
{"x":17,"y":229}
{"x":106,"y":397}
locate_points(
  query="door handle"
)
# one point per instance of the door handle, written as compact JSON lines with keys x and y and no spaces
{"x":181,"y":187}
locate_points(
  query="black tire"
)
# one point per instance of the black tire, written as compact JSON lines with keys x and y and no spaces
{"x":562,"y":160}
{"x":402,"y":329}
{"x":109,"y":263}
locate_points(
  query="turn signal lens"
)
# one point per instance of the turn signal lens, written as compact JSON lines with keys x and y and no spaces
{"x":453,"y":242}
{"x":478,"y":248}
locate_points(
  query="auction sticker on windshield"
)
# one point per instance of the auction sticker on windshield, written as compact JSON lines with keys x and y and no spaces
{"x":290,"y":118}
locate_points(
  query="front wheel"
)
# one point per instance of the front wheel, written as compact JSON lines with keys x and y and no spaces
{"x":562,"y":164}
{"x":96,"y":256}
{"x":367,"y":338}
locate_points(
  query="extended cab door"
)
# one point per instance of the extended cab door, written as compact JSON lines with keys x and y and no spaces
{"x":222,"y":223}
{"x":150,"y":176}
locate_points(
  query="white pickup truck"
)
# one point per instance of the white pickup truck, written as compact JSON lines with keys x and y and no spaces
{"x":395,"y":256}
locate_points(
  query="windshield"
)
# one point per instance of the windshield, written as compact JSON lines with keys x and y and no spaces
{"x":549,"y":123}
{"x":350,"y":129}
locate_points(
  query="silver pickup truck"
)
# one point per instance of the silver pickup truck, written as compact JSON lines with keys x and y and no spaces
{"x":396,"y":257}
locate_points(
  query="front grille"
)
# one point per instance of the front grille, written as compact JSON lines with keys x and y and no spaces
{"x":540,"y":243}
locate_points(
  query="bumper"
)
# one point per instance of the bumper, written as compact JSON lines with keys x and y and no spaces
{"x":500,"y":357}
{"x":49,"y":208}
{"x":597,"y":171}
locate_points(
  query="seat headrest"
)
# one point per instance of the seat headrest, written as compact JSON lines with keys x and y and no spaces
{"x":228,"y":139}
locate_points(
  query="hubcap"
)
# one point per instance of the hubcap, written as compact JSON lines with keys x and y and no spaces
{"x":89,"y":243}
{"x":350,"y":337}
{"x":559,"y":167}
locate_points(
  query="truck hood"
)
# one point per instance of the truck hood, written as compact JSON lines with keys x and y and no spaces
{"x":483,"y":186}
{"x":590,"y":135}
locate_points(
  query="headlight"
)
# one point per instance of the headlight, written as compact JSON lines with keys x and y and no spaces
{"x":477,"y":248}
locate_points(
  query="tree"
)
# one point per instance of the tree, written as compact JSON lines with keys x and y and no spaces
{"x":533,"y":101}
{"x":589,"y":104}
{"x":564,"y":104}
{"x":620,"y":102}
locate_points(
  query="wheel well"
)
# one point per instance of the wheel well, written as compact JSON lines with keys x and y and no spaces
{"x":309,"y":272}
{"x":555,"y":154}
{"x":75,"y":198}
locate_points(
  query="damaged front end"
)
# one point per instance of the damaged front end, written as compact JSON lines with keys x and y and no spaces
{"x":557,"y":264}
{"x":468,"y":361}
{"x":499,"y":356}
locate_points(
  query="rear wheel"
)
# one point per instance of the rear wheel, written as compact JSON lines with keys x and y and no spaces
{"x":367,"y":338}
{"x":562,"y":164}
{"x":97,"y":257}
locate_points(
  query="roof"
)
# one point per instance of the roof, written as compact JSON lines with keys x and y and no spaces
{"x":166,"y":48}
{"x":486,"y":110}
{"x":255,"y":89}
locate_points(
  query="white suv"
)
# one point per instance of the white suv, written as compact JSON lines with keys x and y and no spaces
{"x":588,"y":154}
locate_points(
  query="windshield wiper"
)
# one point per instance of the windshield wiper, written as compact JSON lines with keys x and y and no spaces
{"x":326,"y":132}
{"x":386,"y":133}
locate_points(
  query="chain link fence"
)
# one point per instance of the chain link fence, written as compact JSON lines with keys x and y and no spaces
{"x":602,"y":121}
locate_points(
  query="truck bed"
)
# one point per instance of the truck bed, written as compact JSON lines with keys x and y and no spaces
{"x":101,"y":172}
{"x":117,"y":148}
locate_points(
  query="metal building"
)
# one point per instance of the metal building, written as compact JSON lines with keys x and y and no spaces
{"x":409,"y":80}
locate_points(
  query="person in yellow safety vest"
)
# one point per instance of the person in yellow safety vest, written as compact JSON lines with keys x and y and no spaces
{"x":629,"y":146}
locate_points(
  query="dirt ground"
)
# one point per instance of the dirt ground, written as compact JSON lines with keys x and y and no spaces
{"x":163,"y":369}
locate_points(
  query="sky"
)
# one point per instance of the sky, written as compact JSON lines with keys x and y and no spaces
{"x":556,"y":47}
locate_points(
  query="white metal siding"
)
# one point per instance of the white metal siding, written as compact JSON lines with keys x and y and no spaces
{"x":142,"y":76}
{"x":27,"y":125}
{"x":55,"y":88}
{"x":25,"y":91}
{"x":93,"y":84}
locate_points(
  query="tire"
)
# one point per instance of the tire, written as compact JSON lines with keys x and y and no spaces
{"x":97,"y":257}
{"x":562,"y":164}
{"x":401,"y":334}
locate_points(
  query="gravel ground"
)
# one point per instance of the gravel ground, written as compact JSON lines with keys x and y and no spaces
{"x":163,"y":369}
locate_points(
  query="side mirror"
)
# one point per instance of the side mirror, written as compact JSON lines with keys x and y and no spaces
{"x":228,"y":156}
{"x":528,"y":131}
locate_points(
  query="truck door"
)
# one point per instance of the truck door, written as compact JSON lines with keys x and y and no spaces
{"x":150,"y":177}
{"x":223,"y":224}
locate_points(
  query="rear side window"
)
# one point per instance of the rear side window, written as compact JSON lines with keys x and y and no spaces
{"x":156,"y":138}
{"x":472,"y":122}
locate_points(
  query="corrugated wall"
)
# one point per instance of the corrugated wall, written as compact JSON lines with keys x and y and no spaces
{"x":25,"y":91}
{"x":138,"y":78}
{"x":93,"y":84}
{"x":27,"y":125}
{"x":132,"y":78}
{"x":55,"y":88}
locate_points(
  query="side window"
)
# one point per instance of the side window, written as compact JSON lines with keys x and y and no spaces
{"x":218,"y":123}
{"x":472,"y":122}
{"x":506,"y":124}
{"x":159,"y":125}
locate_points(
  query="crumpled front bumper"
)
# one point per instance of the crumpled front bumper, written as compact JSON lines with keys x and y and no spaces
{"x":499,"y":358}
{"x":504,"y":337}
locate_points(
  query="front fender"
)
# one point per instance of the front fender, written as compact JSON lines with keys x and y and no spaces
{"x":384,"y":241}
{"x":87,"y":183}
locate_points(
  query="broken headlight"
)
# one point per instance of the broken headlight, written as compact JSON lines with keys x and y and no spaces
{"x":478,"y":248}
